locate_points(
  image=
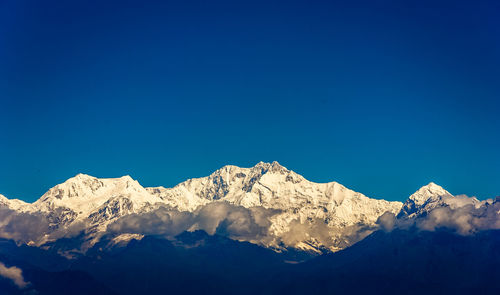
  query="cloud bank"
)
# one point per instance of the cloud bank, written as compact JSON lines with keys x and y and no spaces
{"x":235,"y":222}
{"x":239,"y":223}
{"x":461,"y":214}
{"x":22,"y":227}
{"x":465,"y":220}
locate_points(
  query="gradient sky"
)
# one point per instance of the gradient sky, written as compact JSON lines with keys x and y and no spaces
{"x":381,"y":96}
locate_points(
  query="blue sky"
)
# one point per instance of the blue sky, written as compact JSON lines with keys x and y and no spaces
{"x":381,"y":96}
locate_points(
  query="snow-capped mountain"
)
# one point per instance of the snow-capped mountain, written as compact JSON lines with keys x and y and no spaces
{"x":426,"y":198}
{"x":433,"y":196}
{"x":299,"y":201}
{"x":267,"y":204}
{"x":84,"y":198}
{"x":13,"y":204}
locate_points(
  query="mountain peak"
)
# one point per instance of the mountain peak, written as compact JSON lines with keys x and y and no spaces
{"x":277,"y":165}
{"x":433,"y":185}
{"x":425,"y":198}
{"x":80,"y":177}
{"x":261,"y":164}
{"x":429,"y":190}
{"x":127,"y":178}
{"x":272,"y":167}
{"x":80,"y":180}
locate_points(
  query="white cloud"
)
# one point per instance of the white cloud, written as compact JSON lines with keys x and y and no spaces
{"x":162,"y":221}
{"x":387,"y":221}
{"x":235,"y":222}
{"x":461,"y":214}
{"x":13,"y":273}
{"x":466,"y":219}
{"x":22,"y":227}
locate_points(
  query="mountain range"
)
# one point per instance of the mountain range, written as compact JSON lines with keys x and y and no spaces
{"x":237,"y":223}
{"x":266,"y":204}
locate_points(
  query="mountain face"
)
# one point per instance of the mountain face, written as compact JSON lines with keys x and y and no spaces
{"x":289,"y":210}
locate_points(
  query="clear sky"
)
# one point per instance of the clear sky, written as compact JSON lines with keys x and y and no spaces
{"x":381,"y":96}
